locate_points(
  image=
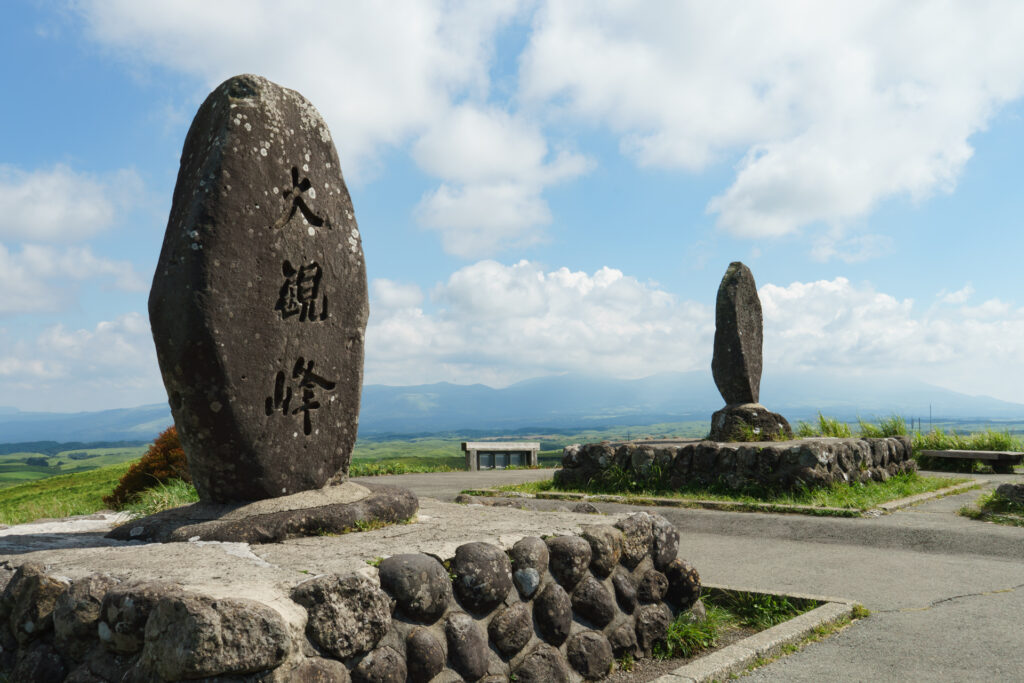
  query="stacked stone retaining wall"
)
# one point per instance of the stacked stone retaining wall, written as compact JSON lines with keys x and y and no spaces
{"x":554,"y":609}
{"x":776,"y":464}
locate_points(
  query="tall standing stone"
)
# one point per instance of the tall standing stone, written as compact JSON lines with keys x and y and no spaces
{"x":259,"y":301}
{"x":736,"y":364}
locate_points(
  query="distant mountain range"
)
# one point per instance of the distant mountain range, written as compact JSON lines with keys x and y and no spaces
{"x":561,"y":401}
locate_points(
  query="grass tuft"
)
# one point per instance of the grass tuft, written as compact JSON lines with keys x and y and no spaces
{"x":174,"y":493}
{"x":687,"y":636}
{"x":995,"y":508}
{"x":759,"y":610}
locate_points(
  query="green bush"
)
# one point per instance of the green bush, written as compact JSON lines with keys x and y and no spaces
{"x":164,"y":461}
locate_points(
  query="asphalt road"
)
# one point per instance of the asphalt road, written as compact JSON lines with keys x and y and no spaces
{"x":946,"y":593}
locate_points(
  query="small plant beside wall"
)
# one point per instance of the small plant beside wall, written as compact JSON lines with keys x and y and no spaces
{"x":996,"y":508}
{"x":163,"y":462}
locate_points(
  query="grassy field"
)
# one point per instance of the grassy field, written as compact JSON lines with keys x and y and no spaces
{"x":19,"y":468}
{"x":79,"y":493}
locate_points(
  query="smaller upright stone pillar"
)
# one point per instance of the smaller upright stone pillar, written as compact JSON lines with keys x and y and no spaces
{"x":736,"y":364}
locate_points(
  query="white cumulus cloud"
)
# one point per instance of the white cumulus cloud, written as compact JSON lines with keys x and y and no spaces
{"x":60,"y":204}
{"x":41,"y":278}
{"x":379,"y":72}
{"x":498,"y":323}
{"x":111,"y":365}
{"x":834,"y":107}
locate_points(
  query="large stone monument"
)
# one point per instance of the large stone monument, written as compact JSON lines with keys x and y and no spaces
{"x":736,"y":364}
{"x":258,"y":309}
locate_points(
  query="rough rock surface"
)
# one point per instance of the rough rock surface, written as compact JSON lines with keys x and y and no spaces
{"x":195,"y":636}
{"x":748,"y":422}
{"x":544,"y":665}
{"x":424,"y":654}
{"x":666,"y":541}
{"x":259,"y":300}
{"x":419,"y":584}
{"x":736,"y":363}
{"x":483,"y":576}
{"x":529,"y":557}
{"x":812,"y":462}
{"x":332,"y":509}
{"x":125,"y":611}
{"x":552,"y":611}
{"x":511,"y":629}
{"x":28,"y":601}
{"x":570,"y":557}
{"x":625,"y":590}
{"x":652,"y":623}
{"x":1012,"y":492}
{"x":637,"y":537}
{"x":605,"y":547}
{"x":467,"y":646}
{"x":76,"y":613}
{"x":683,"y":584}
{"x":590,"y":653}
{"x":348,"y":615}
{"x":622,"y":638}
{"x":652,"y":587}
{"x":592,"y":601}
{"x":383,"y":665}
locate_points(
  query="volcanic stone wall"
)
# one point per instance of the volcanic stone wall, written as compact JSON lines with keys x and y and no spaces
{"x":776,"y":464}
{"x":554,"y":609}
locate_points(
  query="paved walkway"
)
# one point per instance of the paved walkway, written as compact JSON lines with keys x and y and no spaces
{"x":946,"y":593}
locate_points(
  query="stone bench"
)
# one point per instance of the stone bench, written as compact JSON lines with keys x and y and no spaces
{"x":1001,"y":461}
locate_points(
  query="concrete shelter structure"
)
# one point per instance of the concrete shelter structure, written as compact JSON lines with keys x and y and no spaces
{"x":487,"y":455}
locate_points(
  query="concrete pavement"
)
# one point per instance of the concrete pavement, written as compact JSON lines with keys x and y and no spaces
{"x":946,"y":593}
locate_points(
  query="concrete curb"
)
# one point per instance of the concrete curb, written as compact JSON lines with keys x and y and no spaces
{"x":893,"y":505}
{"x":729,"y":506}
{"x":736,"y":658}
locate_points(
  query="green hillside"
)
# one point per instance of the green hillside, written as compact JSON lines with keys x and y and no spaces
{"x":18,"y":468}
{"x":78,"y":493}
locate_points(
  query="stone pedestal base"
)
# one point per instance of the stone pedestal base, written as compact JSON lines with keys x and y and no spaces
{"x":748,"y":422}
{"x":332,"y":509}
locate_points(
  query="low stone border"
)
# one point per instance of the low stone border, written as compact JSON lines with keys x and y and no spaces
{"x":894,"y":505}
{"x":729,"y":506}
{"x":736,"y":658}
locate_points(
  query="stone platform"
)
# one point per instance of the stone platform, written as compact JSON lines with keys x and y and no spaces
{"x":465,"y":593}
{"x":810,"y":462}
{"x":332,"y":509}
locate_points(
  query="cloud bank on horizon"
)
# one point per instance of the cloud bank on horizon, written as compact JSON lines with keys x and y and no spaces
{"x":783,"y":128}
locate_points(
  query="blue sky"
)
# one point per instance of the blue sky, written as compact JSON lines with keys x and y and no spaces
{"x":544,"y":187}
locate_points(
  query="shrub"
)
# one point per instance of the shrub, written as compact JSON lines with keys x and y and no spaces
{"x":165,"y":460}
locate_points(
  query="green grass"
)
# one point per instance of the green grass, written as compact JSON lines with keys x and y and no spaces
{"x":687,"y":637}
{"x":59,"y":496}
{"x":827,"y":426}
{"x":849,"y":496}
{"x":760,"y":610}
{"x":727,"y":610}
{"x":162,"y":497}
{"x":14,"y":469}
{"x":992,"y":507}
{"x":405,"y":465}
